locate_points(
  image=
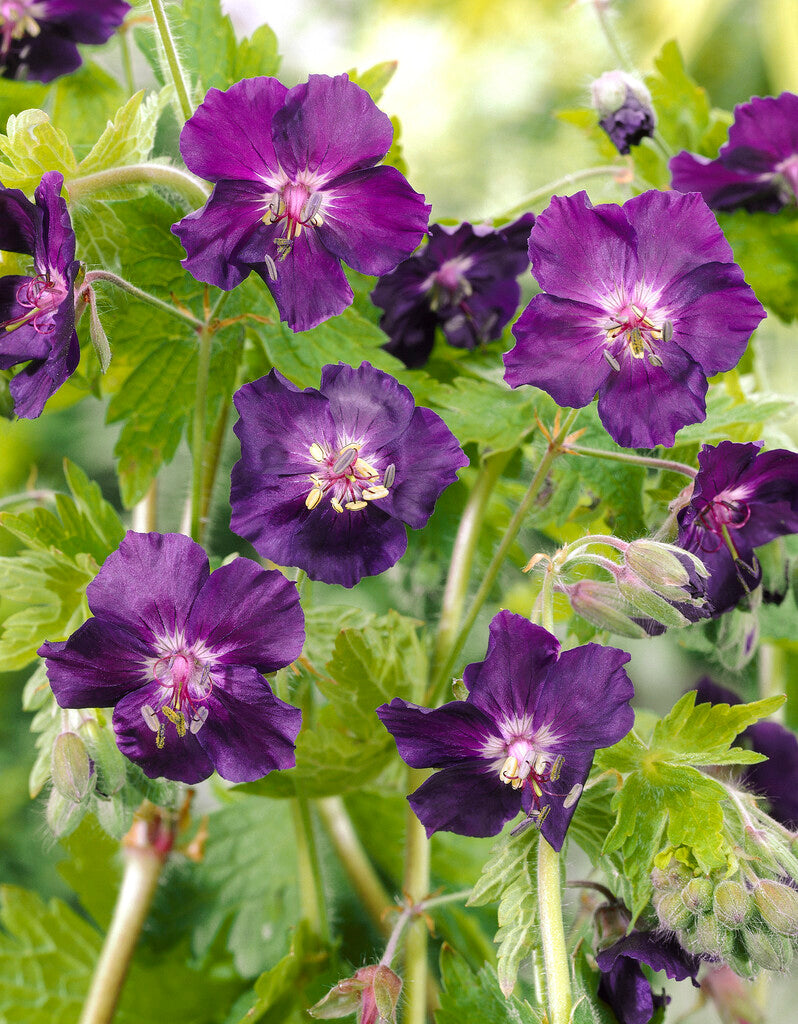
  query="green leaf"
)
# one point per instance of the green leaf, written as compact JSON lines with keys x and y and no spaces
{"x":468,"y":997}
{"x":510,"y":876}
{"x":376,"y":78}
{"x":83,"y":102}
{"x":129,"y":137}
{"x":18,"y":96}
{"x":31,"y":146}
{"x":774,"y":278}
{"x":729,"y":418}
{"x":281,"y":989}
{"x":588,"y":1008}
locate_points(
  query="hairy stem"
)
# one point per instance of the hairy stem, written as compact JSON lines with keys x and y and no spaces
{"x":414,"y":911}
{"x":198,"y":467}
{"x":637,"y":460}
{"x":604,"y":171}
{"x":555,"y":956}
{"x":127,"y":62}
{"x":416,"y":887}
{"x":145,"y":512}
{"x":141,"y":295}
{"x":190,"y":188}
{"x":311,"y":884}
{"x":605,"y":22}
{"x":173,"y":60}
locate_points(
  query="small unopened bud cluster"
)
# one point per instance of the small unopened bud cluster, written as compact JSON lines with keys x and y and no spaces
{"x":749,"y":923}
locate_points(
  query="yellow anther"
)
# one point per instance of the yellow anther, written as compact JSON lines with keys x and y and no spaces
{"x":160,"y":737}
{"x":366,"y":470}
{"x":509,"y":772}
{"x":356,"y":506}
{"x":556,"y":768}
{"x":177,"y":718}
{"x":268,"y":217}
{"x":376,"y":492}
{"x":537,"y":789}
{"x":314,"y":497}
{"x":336,"y":504}
{"x":636,"y":343}
{"x":316,"y":452}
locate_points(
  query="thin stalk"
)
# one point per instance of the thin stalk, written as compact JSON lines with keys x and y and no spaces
{"x":414,"y":911}
{"x":145,"y":512}
{"x":213,"y":453}
{"x":637,"y":460}
{"x":523,"y":205}
{"x":555,"y":955}
{"x":311,"y":884}
{"x":447,"y":664}
{"x":141,"y":295}
{"x":190,"y":188}
{"x":416,"y":886}
{"x":198,"y":522}
{"x":605,"y":22}
{"x":355,"y":861}
{"x":462,"y":560}
{"x":771,"y":675}
{"x":173,"y":60}
{"x":127,"y":61}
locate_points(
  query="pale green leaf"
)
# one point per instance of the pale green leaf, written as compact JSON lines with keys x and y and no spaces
{"x":31,"y":146}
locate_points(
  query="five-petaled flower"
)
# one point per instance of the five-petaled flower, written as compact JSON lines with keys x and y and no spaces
{"x":641,"y":303}
{"x":37,"y":313}
{"x":463,"y":280}
{"x":179,"y":651}
{"x":297,"y":191}
{"x":742,"y":498}
{"x":525,"y":737}
{"x":328,"y":478}
{"x":757,"y":169}
{"x":38,"y":38}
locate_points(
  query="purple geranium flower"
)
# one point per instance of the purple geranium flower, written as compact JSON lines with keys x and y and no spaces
{"x":525,"y":737}
{"x":179,"y":651}
{"x":37,"y":313}
{"x":328,"y":479}
{"x":775,"y":779}
{"x":641,"y":303}
{"x":625,"y":109}
{"x":38,"y":37}
{"x":757,"y":169}
{"x":742,"y":498}
{"x":296,"y":193}
{"x":623,"y":984}
{"x":463,"y":280}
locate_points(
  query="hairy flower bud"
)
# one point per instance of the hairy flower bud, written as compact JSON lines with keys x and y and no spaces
{"x":697,"y":895}
{"x":372,"y":993}
{"x":712,"y":939}
{"x":109,"y":761}
{"x":601,"y":605}
{"x":624,"y":105}
{"x":649,"y":604}
{"x":63,"y":815}
{"x":770,"y":951}
{"x":672,"y":911}
{"x":72,"y":769}
{"x":778,"y":905}
{"x":732,"y":904}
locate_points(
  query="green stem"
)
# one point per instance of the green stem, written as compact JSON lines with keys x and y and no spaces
{"x":127,"y":62}
{"x":311,"y":884}
{"x":416,"y":886}
{"x":185,"y":184}
{"x":604,"y":18}
{"x":172,"y":58}
{"x":198,"y":522}
{"x":462,"y":559}
{"x":447,"y":664}
{"x":637,"y":460}
{"x":771,"y":675}
{"x":141,"y":295}
{"x":555,"y":956}
{"x":523,"y":205}
{"x":414,"y":911}
{"x":145,"y":512}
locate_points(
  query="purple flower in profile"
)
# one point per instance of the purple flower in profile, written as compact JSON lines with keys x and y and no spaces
{"x":623,"y":984}
{"x":775,"y":779}
{"x":464,"y":280}
{"x":742,"y":498}
{"x":524,"y":738}
{"x":37,"y":312}
{"x":757,"y":169}
{"x":179,"y":652}
{"x":641,"y":303}
{"x":328,"y":479}
{"x":625,"y":109}
{"x":296,"y":192}
{"x":38,"y":37}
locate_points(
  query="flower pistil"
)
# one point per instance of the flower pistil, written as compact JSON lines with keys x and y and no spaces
{"x":186,"y":683}
{"x":637,"y":333}
{"x":40,"y":296}
{"x":350,"y":481}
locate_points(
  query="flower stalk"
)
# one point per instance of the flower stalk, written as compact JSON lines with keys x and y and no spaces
{"x":185,"y":184}
{"x":416,"y":885}
{"x":173,"y":60}
{"x":198,"y":481}
{"x":140,"y":294}
{"x":311,"y":883}
{"x":555,"y":956}
{"x":668,"y":465}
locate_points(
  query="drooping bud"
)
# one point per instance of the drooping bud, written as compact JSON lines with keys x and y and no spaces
{"x":625,"y":108}
{"x":601,"y":605}
{"x":648,"y":604}
{"x":385,"y":987}
{"x":72,"y":769}
{"x":611,"y":921}
{"x":778,"y":905}
{"x":664,"y":567}
{"x":771,"y":951}
{"x":712,"y":939}
{"x":732,"y":904}
{"x":697,"y":895}
{"x":372,"y":993}
{"x":672,"y":912}
{"x":63,"y":815}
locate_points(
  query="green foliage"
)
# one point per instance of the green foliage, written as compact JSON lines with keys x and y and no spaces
{"x":510,"y":877}
{"x":467,"y":996}
{"x":588,"y":1008}
{"x":128,"y":139}
{"x":375,"y":79}
{"x":665,"y":800}
{"x":31,"y":146}
{"x":83,"y":102}
{"x":774,"y":278}
{"x":735,"y":417}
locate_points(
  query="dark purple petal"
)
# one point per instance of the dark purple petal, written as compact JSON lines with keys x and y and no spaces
{"x":366,"y":403}
{"x":85,"y":21}
{"x":768,"y":124}
{"x":248,"y":732}
{"x":247,"y":615}
{"x":482,"y":316}
{"x":777,"y":778}
{"x":214,"y":236}
{"x":723,"y":188}
{"x":180,"y":758}
{"x":40,"y":379}
{"x":507,"y":683}
{"x":560,"y":349}
{"x":627,"y":990}
{"x":229,"y":136}
{"x":466,"y":800}
{"x":437,"y":737}
{"x":709,"y":692}
{"x":629,"y":124}
{"x":20,"y":222}
{"x":149,"y":583}
{"x":373,"y":219}
{"x":624,"y":986}
{"x":97,"y":665}
{"x":330,"y":126}
{"x":567,"y":789}
{"x":59,"y":238}
{"x":24,"y":342}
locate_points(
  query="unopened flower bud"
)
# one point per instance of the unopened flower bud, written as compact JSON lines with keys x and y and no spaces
{"x":386,"y":987}
{"x":625,"y":108}
{"x":459,"y":689}
{"x":697,"y":895}
{"x":372,"y":993}
{"x":770,"y":951}
{"x":63,"y":815}
{"x":601,"y":605}
{"x":732,"y":904}
{"x":648,"y":604}
{"x":668,"y":570}
{"x":672,"y":912}
{"x":778,"y":905}
{"x":72,"y":770}
{"x":712,"y":938}
{"x":109,"y":761}
{"x":611,"y":921}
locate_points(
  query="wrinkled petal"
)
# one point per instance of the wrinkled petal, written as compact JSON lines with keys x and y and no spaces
{"x":311,"y":287}
{"x":768,"y":124}
{"x":20,"y":222}
{"x":721,"y":187}
{"x":85,"y":21}
{"x":466,"y":800}
{"x":366,"y":403}
{"x":567,"y":789}
{"x":437,"y":737}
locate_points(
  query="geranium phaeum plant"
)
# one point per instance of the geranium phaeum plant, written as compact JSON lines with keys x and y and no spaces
{"x":297,"y":191}
{"x":625,"y":109}
{"x":328,"y":478}
{"x":641,"y":303}
{"x":757,"y":169}
{"x":179,"y":653}
{"x":37,"y":311}
{"x":524,"y":738}
{"x":463,"y":280}
{"x":742,"y":498}
{"x":38,"y":38}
